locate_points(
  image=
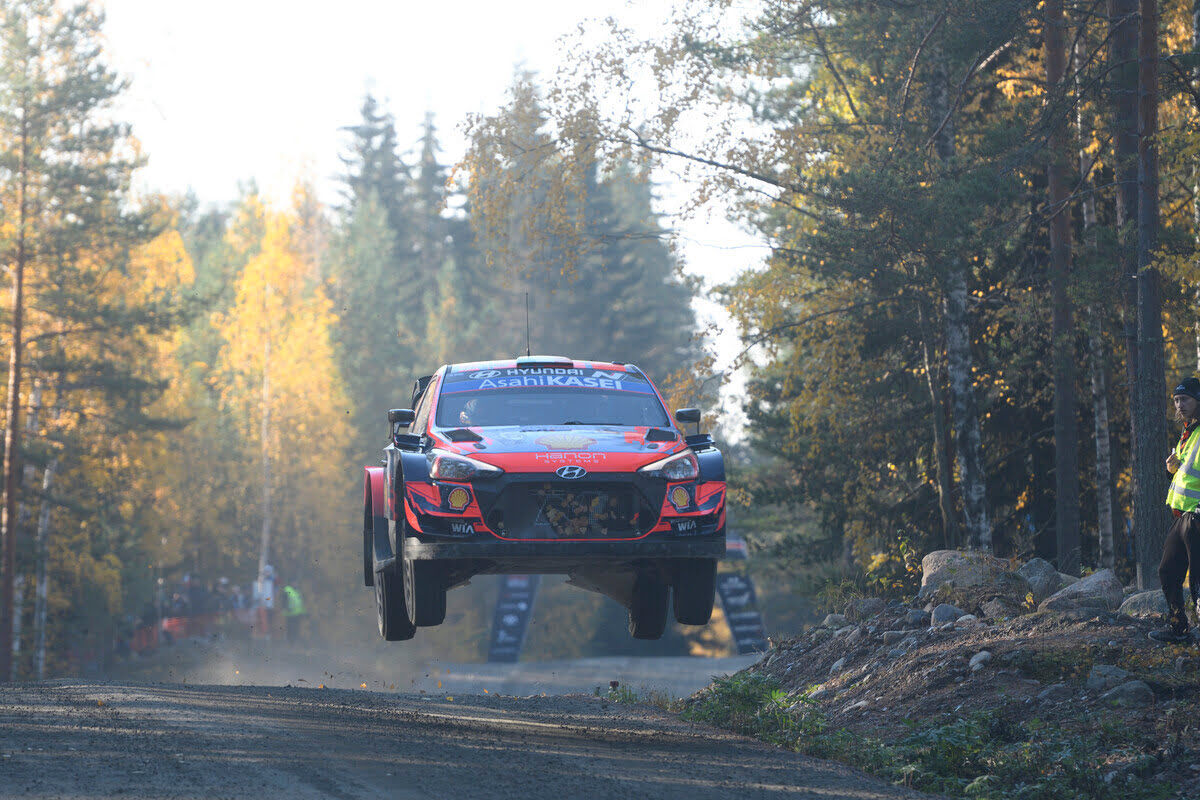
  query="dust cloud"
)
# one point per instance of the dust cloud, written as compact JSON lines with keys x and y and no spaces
{"x":400,"y":667}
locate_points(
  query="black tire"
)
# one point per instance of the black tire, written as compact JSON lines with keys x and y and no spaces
{"x":424,"y":593}
{"x":394,"y":625}
{"x":694,"y":590}
{"x":648,"y":611}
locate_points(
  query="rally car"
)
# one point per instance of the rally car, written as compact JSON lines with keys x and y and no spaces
{"x":547,"y":465}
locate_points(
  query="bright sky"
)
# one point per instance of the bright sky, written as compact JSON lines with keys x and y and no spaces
{"x":228,"y":90}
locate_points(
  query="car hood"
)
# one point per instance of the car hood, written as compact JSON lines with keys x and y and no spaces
{"x":545,"y":449}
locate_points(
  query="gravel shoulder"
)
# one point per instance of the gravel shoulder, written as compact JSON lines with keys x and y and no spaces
{"x":75,"y":739}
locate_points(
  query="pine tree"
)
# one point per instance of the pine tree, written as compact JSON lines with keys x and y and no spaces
{"x":64,"y":177}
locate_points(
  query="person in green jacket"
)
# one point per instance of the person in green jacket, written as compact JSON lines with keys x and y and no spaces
{"x":293,"y":611}
{"x":1181,"y":550}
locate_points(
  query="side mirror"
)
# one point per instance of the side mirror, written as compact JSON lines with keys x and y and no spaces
{"x":401,"y":416}
{"x":687,"y":415}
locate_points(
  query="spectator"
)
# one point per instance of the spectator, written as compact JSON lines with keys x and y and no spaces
{"x":220,"y":596}
{"x":179,"y":606}
{"x":264,"y":598}
{"x":293,"y":611}
{"x":1181,"y":550}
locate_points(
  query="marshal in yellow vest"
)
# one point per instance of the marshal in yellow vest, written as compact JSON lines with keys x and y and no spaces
{"x":1184,"y":494}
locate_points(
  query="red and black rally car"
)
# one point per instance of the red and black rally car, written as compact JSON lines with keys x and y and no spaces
{"x":544,"y":465}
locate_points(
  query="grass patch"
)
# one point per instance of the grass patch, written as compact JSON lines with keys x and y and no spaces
{"x":626,"y":696}
{"x":982,"y":756}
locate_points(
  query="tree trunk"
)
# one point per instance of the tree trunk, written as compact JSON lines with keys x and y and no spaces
{"x":43,"y":570}
{"x":963,"y":411}
{"x":1098,"y":367}
{"x":23,"y":514}
{"x":12,"y":428}
{"x":1149,"y":413}
{"x":29,"y":470}
{"x":18,"y":610}
{"x":1104,"y":482}
{"x":1195,"y":171}
{"x":1066,"y":432}
{"x":1123,"y":84}
{"x":264,"y":552}
{"x":945,"y":484}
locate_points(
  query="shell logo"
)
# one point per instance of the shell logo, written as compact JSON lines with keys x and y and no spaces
{"x":458,"y":498}
{"x":680,"y":498}
{"x":565,"y":441}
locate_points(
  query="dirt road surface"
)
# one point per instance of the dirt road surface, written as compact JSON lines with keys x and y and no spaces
{"x":75,"y":739}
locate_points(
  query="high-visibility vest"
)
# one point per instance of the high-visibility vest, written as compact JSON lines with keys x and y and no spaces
{"x":1184,"y":494}
{"x":293,"y":604}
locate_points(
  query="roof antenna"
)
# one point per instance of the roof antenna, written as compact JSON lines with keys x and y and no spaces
{"x":527,"y":352}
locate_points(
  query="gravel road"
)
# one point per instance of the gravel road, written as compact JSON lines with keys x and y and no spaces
{"x":75,"y":739}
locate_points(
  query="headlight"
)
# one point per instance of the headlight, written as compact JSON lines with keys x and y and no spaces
{"x":446,"y":466}
{"x":679,"y":467}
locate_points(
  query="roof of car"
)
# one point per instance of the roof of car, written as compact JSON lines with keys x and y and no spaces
{"x":543,"y":362}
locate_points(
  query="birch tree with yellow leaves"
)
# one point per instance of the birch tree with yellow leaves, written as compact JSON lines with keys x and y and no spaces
{"x":279,"y":384}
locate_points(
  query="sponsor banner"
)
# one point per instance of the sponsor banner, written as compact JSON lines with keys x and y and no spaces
{"x":547,"y":381}
{"x":514,"y":609}
{"x":517,"y":372}
{"x":741,"y":612}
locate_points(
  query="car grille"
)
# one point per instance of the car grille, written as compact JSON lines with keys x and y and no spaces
{"x":553,"y":511}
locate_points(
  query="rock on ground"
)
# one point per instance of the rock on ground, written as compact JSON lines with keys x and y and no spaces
{"x":1145,"y":604}
{"x":865,"y":608}
{"x":1055,"y":693}
{"x":945,"y":613}
{"x":1001,"y":608}
{"x":1105,"y":676}
{"x":1044,"y":579}
{"x":1131,"y":693}
{"x":963,"y":568}
{"x":1100,"y":589}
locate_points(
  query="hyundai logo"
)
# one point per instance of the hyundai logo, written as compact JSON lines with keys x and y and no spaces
{"x":486,"y":373}
{"x":571,"y":473}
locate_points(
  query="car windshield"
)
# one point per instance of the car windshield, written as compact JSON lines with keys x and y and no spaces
{"x":590,"y":397}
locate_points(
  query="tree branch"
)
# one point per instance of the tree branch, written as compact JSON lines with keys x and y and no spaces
{"x":837,"y":76}
{"x":912,"y":70}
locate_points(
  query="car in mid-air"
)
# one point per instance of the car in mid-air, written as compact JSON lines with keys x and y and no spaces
{"x":544,"y":465}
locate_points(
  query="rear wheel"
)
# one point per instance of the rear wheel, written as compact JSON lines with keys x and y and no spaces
{"x":648,"y":611}
{"x":694,"y":590}
{"x":394,"y":625}
{"x":424,"y":592}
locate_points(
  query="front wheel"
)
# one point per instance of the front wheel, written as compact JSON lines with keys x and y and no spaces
{"x":694,"y":590}
{"x":648,"y":611}
{"x":390,"y":611}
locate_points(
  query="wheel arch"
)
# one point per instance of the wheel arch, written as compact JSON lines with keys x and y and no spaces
{"x":712,"y":464}
{"x":376,"y":547}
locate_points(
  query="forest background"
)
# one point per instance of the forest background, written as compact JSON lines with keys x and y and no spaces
{"x":963,"y":327}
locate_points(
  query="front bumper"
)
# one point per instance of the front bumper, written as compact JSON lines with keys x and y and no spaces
{"x":562,"y":558}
